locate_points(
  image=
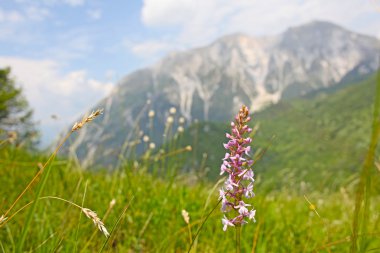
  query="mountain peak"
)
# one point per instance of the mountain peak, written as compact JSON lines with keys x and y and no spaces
{"x":212,"y":82}
{"x":318,"y":25}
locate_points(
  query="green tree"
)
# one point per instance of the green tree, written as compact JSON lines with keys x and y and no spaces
{"x":15,"y":114}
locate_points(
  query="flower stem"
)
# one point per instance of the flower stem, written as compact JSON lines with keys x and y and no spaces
{"x":238,"y":232}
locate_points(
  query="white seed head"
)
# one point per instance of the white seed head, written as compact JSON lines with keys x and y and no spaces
{"x":152,"y":145}
{"x":3,"y":218}
{"x":185,"y":216}
{"x":146,"y":138}
{"x":188,"y":148}
{"x":180,"y":129}
{"x":169,"y":120}
{"x":151,"y":114}
{"x":172,"y":110}
{"x":112,"y":203}
{"x":181,"y":120}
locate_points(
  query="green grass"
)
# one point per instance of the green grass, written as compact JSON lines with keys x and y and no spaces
{"x":153,"y":221}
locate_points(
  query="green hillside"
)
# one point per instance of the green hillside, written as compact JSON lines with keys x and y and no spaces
{"x":319,"y":140}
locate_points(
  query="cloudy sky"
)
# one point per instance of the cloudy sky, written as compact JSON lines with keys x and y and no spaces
{"x":67,"y":54}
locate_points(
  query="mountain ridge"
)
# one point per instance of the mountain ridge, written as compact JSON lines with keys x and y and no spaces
{"x":211,"y":82}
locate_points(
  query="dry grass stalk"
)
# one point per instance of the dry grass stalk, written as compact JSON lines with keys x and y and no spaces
{"x":97,"y":221}
{"x":12,"y":136}
{"x":312,"y":207}
{"x":185,"y":216}
{"x":2,"y":218}
{"x":91,"y":117}
{"x":112,"y":203}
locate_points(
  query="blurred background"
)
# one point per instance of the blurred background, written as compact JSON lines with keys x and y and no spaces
{"x":170,"y":75}
{"x":69,"y":54}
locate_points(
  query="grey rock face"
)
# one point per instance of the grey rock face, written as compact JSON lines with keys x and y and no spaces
{"x":212,"y":82}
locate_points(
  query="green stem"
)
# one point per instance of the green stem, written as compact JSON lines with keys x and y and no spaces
{"x":33,"y":209}
{"x":238,"y":232}
{"x":116,"y":224}
{"x":204,"y":221}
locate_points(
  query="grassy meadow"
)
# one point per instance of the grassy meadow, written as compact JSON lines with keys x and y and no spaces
{"x":322,"y":209}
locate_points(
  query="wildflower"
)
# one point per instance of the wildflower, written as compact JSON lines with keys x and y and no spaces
{"x":248,"y":191}
{"x":226,"y":222}
{"x":237,"y":164}
{"x":181,"y":120}
{"x":251,"y":215}
{"x":242,"y":207}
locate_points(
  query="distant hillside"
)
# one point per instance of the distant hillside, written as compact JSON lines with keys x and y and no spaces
{"x":210,"y":83}
{"x":323,"y":136}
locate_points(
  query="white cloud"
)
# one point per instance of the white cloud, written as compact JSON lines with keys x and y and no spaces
{"x":52,"y":92}
{"x":154,"y":12}
{"x":148,"y":49}
{"x":15,"y":23}
{"x":30,"y":13}
{"x":197,"y":22}
{"x":12,"y":16}
{"x":37,"y":13}
{"x":70,"y":45}
{"x":95,"y":13}
{"x":74,"y":3}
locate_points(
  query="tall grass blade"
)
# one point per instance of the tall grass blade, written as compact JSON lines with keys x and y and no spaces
{"x":32,"y":211}
{"x":362,"y":199}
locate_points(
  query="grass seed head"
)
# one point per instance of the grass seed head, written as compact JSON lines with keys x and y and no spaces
{"x":185,"y":216}
{"x":91,"y":117}
{"x":112,"y":203}
{"x":3,"y":218}
{"x":97,"y":221}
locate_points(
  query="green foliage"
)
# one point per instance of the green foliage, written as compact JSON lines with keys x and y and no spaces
{"x":324,"y":135}
{"x":153,"y":221}
{"x":15,"y":114}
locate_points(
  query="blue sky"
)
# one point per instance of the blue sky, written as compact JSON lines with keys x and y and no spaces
{"x":68,"y":54}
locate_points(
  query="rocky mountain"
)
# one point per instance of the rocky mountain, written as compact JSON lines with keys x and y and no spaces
{"x":211,"y":82}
